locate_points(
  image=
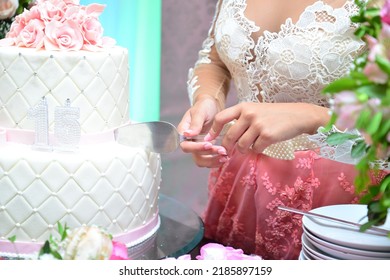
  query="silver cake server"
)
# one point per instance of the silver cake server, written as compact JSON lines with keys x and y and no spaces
{"x":156,"y":136}
{"x":381,"y":231}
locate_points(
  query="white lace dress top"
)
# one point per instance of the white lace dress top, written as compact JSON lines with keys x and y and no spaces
{"x":292,"y":65}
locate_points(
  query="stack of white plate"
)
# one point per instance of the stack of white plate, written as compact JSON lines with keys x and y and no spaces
{"x":328,"y":240}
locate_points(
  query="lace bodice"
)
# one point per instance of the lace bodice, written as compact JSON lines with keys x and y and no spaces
{"x":291,"y":65}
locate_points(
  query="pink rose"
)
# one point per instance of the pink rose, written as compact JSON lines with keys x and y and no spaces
{"x":374,"y":73}
{"x":16,"y":27}
{"x":385,"y":12}
{"x":51,"y":12}
{"x":347,"y":107}
{"x":92,"y":31}
{"x":348,"y":115}
{"x":214,"y":251}
{"x":94,"y":10}
{"x":32,"y":35}
{"x":76,"y":14}
{"x":374,"y":47}
{"x":186,"y":257}
{"x":119,"y":251}
{"x":33,"y":13}
{"x":63,"y":36}
{"x":8,"y":8}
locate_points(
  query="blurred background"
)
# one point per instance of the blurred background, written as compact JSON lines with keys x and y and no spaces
{"x":163,"y":38}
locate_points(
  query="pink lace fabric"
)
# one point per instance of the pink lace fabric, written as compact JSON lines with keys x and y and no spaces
{"x":244,"y":195}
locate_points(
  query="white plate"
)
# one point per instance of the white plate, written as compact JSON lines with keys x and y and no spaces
{"x":301,"y":257}
{"x":313,"y":252}
{"x":305,"y":254}
{"x":344,"y":234}
{"x":342,"y":252}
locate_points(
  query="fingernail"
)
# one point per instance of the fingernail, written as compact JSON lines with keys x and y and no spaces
{"x":207,"y":137}
{"x":207,"y":145}
{"x":222,"y":151}
{"x":224,"y":159}
{"x":187,"y":132}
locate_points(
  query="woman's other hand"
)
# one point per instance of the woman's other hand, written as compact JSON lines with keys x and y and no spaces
{"x":258,"y":125}
{"x":198,"y":119}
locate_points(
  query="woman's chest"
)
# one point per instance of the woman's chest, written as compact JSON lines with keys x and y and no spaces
{"x":244,"y":26}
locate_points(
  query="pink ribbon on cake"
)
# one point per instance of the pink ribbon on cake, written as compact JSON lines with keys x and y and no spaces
{"x":27,"y":137}
{"x":131,"y":238}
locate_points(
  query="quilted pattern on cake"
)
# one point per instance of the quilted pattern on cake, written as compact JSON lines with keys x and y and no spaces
{"x":86,"y":78}
{"x":117,"y":190}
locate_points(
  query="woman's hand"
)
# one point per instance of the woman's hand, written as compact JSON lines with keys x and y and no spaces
{"x":258,"y":125}
{"x":198,"y":119}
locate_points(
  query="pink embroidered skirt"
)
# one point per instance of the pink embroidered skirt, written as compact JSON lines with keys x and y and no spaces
{"x":245,"y":192}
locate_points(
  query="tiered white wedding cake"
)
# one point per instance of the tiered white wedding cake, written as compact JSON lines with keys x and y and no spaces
{"x":63,"y":90}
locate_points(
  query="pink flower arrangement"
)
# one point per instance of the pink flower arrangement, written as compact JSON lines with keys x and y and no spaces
{"x":83,"y":243}
{"x":361,"y":102}
{"x":58,"y":25}
{"x":215,"y":251}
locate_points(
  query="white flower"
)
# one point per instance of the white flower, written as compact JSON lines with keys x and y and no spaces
{"x":88,"y":243}
{"x":8,"y":8}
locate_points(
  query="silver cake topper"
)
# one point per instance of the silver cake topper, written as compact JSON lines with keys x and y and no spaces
{"x":67,"y":129}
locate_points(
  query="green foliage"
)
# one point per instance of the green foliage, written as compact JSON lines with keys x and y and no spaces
{"x":373,"y":122}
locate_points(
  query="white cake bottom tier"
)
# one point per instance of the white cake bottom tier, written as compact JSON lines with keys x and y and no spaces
{"x":108,"y":185}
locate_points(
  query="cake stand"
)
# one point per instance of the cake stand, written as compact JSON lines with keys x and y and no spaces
{"x":181,"y":230}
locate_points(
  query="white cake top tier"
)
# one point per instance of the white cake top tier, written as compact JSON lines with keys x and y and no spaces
{"x":96,"y":82}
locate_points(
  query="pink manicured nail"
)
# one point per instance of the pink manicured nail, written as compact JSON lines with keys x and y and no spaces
{"x":187,"y":132}
{"x":207,"y":145}
{"x":224,"y":159}
{"x":207,"y":137}
{"x":222,"y":151}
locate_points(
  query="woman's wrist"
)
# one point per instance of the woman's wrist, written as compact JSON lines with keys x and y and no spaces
{"x":220,"y":104}
{"x":319,"y":116}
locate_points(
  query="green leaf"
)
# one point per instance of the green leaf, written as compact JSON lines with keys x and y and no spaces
{"x":385,"y":184}
{"x":346,"y":83}
{"x":330,"y":124}
{"x":370,"y":90}
{"x":374,"y":190}
{"x":358,"y":149}
{"x":363,"y":119}
{"x":56,"y":255}
{"x":63,"y":231}
{"x":366,"y":198}
{"x":12,"y":239}
{"x":369,"y":224}
{"x":384,"y":129}
{"x":45,"y":248}
{"x":374,"y":124}
{"x":383,"y":63}
{"x":338,"y":138}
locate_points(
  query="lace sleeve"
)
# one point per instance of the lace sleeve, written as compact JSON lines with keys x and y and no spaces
{"x":210,"y":75}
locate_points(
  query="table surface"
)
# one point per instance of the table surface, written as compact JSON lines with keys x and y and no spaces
{"x":181,"y":230}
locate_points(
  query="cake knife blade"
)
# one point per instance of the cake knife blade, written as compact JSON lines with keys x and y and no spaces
{"x":156,"y":136}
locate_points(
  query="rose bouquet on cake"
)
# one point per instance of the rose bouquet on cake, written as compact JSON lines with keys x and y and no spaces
{"x":57,"y":25}
{"x":360,"y":101}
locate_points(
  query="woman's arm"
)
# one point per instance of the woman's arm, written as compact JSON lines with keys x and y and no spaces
{"x":208,"y":86}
